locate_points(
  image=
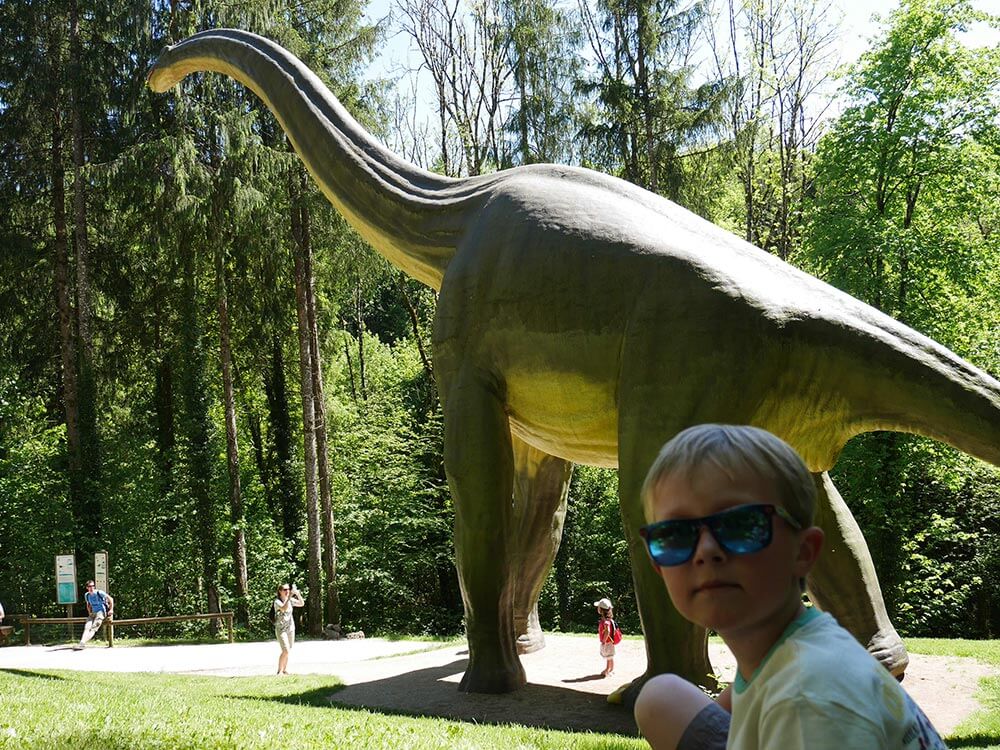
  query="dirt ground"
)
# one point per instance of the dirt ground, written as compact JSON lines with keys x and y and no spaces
{"x":565,"y":689}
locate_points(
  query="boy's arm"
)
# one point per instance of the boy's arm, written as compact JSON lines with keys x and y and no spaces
{"x":725,"y":698}
{"x":110,"y":603}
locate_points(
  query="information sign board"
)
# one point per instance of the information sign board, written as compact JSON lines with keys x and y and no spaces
{"x":101,"y":570}
{"x":66,"y":579}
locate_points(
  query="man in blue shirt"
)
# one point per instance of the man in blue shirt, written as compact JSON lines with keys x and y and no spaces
{"x":99,"y":606}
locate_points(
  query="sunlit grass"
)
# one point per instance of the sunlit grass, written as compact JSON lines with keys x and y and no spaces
{"x":50,"y":709}
{"x":67,"y":709}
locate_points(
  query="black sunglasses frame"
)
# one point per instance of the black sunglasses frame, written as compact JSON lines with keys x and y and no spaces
{"x":649,"y":532}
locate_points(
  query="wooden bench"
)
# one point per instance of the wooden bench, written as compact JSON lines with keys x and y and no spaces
{"x":6,"y":631}
{"x":28,"y":620}
{"x":111,"y":623}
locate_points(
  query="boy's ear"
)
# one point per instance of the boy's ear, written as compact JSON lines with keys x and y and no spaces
{"x":810,"y":546}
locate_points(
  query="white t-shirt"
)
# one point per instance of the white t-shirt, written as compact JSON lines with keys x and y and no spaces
{"x":819,"y":688}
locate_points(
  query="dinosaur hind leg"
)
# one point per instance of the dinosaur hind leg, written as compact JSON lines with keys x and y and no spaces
{"x":479,"y":465}
{"x":541,"y":486}
{"x":844,"y":581}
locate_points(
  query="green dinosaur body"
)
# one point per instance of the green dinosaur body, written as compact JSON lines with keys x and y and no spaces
{"x":584,"y":320}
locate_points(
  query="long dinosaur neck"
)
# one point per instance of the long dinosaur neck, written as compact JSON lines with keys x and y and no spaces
{"x":410,"y":216}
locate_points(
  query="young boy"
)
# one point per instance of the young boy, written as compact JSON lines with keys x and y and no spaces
{"x":732,"y":536}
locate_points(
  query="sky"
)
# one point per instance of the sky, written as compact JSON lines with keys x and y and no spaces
{"x":858,"y":29}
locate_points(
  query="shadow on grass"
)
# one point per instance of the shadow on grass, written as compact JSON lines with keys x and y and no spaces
{"x":428,"y":692}
{"x":975,"y":740}
{"x":29,"y":673}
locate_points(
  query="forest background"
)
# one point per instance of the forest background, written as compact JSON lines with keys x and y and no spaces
{"x":204,"y":372}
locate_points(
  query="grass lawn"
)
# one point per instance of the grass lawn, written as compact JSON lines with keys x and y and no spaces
{"x":110,"y":711}
{"x":69,"y":709}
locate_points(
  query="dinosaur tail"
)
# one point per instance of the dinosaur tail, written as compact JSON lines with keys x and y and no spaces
{"x":898,"y":379}
{"x":411,"y":216}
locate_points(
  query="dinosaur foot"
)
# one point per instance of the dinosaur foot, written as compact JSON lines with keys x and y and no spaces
{"x":530,"y":642}
{"x":890,"y":652}
{"x":626,"y":694}
{"x":479,"y":679}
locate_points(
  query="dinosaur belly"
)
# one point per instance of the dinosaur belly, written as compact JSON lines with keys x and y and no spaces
{"x":565,"y":415}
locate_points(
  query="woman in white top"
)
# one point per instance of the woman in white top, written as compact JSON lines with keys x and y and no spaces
{"x":284,"y":622}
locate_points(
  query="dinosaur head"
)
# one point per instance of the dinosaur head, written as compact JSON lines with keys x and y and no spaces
{"x":161,"y":76}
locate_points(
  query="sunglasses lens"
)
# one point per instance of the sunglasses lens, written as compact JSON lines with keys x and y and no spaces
{"x":742,"y":531}
{"x":671,"y":542}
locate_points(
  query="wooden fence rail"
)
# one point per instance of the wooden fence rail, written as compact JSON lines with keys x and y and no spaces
{"x":111,"y":623}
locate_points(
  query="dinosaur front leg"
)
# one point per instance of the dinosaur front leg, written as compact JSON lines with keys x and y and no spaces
{"x":844,"y":581}
{"x":541,"y":486}
{"x":480,"y":469}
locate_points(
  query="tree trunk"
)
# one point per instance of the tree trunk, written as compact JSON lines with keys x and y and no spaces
{"x":236,"y":514}
{"x":67,"y":323}
{"x":163,"y":403}
{"x":415,"y":322}
{"x":90,"y":507}
{"x":350,"y":369}
{"x":197,"y":445}
{"x":359,"y":317}
{"x":284,"y":497}
{"x":315,"y":603}
{"x":331,"y":593}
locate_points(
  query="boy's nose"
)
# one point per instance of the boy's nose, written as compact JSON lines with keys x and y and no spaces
{"x":707,"y":548}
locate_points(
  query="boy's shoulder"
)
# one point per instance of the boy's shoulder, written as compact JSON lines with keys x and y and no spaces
{"x":823,"y":668}
{"x":822,"y":660}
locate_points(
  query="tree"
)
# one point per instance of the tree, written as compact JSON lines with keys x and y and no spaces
{"x":774,"y":58}
{"x":919,"y":100}
{"x":903,"y":218}
{"x":543,"y":55}
{"x":647,"y":109}
{"x":466,"y":55}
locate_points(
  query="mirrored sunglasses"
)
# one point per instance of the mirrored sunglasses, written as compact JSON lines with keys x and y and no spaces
{"x":742,"y":530}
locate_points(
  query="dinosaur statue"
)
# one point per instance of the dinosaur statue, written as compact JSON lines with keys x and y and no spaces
{"x":582,"y":319}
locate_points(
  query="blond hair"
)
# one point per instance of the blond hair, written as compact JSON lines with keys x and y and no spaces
{"x":733,"y":449}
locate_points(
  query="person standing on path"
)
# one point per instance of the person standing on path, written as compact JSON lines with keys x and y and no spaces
{"x":607,"y":632}
{"x":99,"y":605}
{"x":284,"y":622}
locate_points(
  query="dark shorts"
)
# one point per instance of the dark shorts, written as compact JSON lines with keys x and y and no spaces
{"x":708,"y":730}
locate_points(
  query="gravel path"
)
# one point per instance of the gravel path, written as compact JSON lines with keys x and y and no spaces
{"x":565,"y":689}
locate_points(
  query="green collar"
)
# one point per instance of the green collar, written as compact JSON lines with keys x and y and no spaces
{"x":807,"y":616}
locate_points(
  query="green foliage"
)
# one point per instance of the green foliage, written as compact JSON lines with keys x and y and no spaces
{"x":396,"y":570}
{"x":36,"y":522}
{"x":905,"y":214}
{"x":593,"y":560}
{"x":904,"y":217}
{"x":647,"y":108}
{"x":544,"y":39}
